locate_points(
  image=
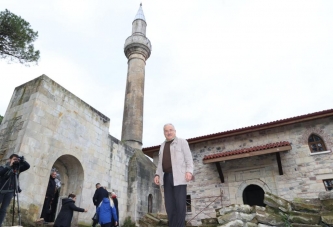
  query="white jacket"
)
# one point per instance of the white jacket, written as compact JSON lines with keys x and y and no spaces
{"x":181,"y":160}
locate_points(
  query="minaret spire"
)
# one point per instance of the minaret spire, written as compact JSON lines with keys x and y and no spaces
{"x":137,"y":50}
{"x":139,"y":14}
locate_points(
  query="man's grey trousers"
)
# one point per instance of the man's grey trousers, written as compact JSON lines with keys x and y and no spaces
{"x":175,"y":201}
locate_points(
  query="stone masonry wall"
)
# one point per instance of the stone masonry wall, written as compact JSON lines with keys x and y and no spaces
{"x":57,"y":123}
{"x":303,"y":172}
{"x":51,"y":126}
{"x":141,"y":185}
{"x":118,"y":173}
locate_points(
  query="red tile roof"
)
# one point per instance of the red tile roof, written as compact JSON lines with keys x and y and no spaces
{"x":247,"y":150}
{"x":302,"y":118}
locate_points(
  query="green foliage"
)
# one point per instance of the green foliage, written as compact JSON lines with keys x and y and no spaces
{"x":16,"y":39}
{"x":128,"y":222}
{"x":286,"y":221}
{"x":1,"y":117}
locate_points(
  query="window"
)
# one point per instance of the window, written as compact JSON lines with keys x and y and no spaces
{"x":150,"y":203}
{"x":188,"y":203}
{"x":316,"y":143}
{"x":328,"y":184}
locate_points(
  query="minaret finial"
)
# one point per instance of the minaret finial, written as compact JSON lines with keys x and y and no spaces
{"x":140,"y":14}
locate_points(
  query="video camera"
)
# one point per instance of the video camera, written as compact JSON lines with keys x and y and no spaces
{"x":16,"y":164}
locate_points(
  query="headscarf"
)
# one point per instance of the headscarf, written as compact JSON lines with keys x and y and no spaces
{"x":111,"y":199}
{"x":113,"y":195}
{"x":57,"y":179}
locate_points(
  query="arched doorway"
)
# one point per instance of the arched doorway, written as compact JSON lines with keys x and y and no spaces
{"x":253,"y":195}
{"x":72,"y":177}
{"x":150,"y":203}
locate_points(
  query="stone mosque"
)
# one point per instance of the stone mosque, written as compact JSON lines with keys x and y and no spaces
{"x":51,"y":127}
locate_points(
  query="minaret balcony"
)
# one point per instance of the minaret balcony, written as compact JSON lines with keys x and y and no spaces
{"x":137,"y":44}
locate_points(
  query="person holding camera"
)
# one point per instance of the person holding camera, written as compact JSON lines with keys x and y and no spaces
{"x":15,"y":165}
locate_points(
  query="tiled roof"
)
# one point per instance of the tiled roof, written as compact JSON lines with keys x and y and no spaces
{"x":247,"y":150}
{"x":271,"y":124}
{"x":302,"y":118}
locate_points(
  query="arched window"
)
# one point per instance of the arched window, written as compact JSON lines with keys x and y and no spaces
{"x":316,"y":143}
{"x":150,"y":203}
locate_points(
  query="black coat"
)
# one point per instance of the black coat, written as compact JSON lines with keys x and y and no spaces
{"x":7,"y":177}
{"x":51,"y":188}
{"x":115,"y":201}
{"x":99,"y":195}
{"x":65,"y":215}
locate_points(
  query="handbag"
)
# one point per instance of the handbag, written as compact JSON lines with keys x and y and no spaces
{"x":95,"y":218}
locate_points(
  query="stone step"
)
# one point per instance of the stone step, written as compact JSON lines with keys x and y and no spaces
{"x":209,"y":225}
{"x":145,"y":224}
{"x":209,"y":221}
{"x":151,"y":219}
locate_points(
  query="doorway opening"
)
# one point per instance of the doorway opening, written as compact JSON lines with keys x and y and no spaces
{"x":253,"y":195}
{"x":72,"y":176}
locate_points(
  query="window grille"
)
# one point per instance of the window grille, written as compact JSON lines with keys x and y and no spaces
{"x":328,"y":184}
{"x":188,"y":203}
{"x":316,"y":144}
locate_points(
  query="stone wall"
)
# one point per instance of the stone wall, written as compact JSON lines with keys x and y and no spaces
{"x":132,"y":175}
{"x":302,"y":172}
{"x":141,"y":185}
{"x":52,"y":127}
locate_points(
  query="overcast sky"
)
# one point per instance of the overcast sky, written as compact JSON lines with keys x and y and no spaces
{"x":215,"y":65}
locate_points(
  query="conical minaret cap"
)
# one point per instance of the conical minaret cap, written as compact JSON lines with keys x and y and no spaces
{"x":138,"y":43}
{"x":140,"y":14}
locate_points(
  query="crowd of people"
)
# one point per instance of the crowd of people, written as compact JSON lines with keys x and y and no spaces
{"x":107,"y":213}
{"x":106,"y":203}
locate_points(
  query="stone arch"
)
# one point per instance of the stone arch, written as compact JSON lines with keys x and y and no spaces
{"x":253,"y":195}
{"x":72,"y":178}
{"x":244,"y":184}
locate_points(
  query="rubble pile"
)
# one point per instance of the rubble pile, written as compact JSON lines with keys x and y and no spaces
{"x":278,"y":212}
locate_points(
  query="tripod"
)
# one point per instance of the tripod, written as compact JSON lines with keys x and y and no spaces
{"x":15,"y":192}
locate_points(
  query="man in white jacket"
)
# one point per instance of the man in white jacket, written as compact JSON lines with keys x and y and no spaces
{"x":174,"y":171}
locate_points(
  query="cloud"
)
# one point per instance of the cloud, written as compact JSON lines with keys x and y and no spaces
{"x":214,"y":66}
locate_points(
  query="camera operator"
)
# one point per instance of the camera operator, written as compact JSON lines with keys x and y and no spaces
{"x":15,"y":165}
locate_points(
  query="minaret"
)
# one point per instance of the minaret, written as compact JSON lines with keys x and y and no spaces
{"x":137,"y":50}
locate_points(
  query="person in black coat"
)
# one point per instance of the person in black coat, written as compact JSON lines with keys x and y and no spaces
{"x":99,"y":195}
{"x":17,"y":165}
{"x":65,"y":215}
{"x":50,"y":193}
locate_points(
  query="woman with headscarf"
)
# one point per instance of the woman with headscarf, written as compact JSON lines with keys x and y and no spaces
{"x":113,"y":197}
